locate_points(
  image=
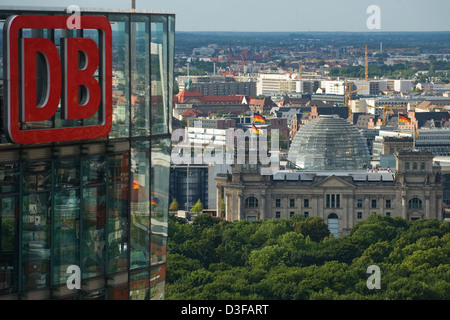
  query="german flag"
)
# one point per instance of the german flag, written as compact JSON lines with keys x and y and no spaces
{"x":404,"y":119}
{"x":258,"y":118}
{"x":255,"y":129}
{"x":155,"y":201}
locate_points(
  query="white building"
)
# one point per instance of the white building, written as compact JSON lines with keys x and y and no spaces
{"x":271,"y":84}
{"x":403,"y":85}
{"x":333,"y":87}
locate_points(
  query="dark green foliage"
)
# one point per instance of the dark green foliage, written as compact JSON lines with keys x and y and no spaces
{"x":297,"y":258}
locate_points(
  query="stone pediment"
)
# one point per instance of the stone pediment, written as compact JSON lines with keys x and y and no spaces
{"x":333,"y":181}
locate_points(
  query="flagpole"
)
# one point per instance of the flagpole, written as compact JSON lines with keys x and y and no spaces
{"x":414,"y":137}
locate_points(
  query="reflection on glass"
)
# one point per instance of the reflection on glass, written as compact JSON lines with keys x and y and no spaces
{"x":9,"y":178}
{"x":140,"y":204}
{"x":140,"y":285}
{"x":171,"y":49}
{"x":94,"y":295}
{"x":160,"y":200}
{"x":117,"y":213}
{"x":121,"y":92}
{"x":66,"y":218}
{"x":159,"y":74}
{"x":36,"y":240}
{"x":37,"y":176}
{"x":140,"y":70}
{"x":94,"y":171}
{"x":9,"y":209}
{"x":157,"y":283}
{"x":119,"y":292}
{"x":93,"y":248}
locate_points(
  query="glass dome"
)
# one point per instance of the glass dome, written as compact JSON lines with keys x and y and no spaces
{"x":329,"y":143}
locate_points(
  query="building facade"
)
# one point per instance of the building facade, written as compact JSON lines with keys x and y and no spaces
{"x":341,"y":199}
{"x":327,"y":176}
{"x":87,"y":219}
{"x":219,"y":85}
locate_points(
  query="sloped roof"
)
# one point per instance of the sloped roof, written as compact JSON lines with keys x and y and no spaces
{"x":191,"y":113}
{"x":184,"y":94}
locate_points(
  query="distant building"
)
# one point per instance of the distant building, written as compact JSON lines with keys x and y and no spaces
{"x":188,"y":184}
{"x":403,"y":86}
{"x":191,"y":99}
{"x":219,"y":85}
{"x":270,"y":84}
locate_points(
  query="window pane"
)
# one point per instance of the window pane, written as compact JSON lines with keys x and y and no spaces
{"x":359,"y":203}
{"x":121,"y":83}
{"x":118,"y":212}
{"x":93,"y":246}
{"x":9,"y":178}
{"x":36,"y":240}
{"x":140,"y":285}
{"x":159,"y":75}
{"x":94,"y":171}
{"x":171,"y":49}
{"x":66,"y":226}
{"x":66,"y":249}
{"x":37,"y":176}
{"x":9,"y":209}
{"x":140,"y":205}
{"x":160,"y":198}
{"x":140,"y":71}
{"x":158,"y":280}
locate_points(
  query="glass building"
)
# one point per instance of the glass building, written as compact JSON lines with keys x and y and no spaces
{"x":102,"y":204}
{"x":329,"y":143}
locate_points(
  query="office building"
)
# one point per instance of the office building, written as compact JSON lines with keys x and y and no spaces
{"x":86,"y":219}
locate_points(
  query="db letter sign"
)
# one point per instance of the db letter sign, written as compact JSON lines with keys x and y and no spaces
{"x":77,"y":80}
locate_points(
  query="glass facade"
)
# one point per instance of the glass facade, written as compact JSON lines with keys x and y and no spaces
{"x":329,"y":143}
{"x":101,"y":204}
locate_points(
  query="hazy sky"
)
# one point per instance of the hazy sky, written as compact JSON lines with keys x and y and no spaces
{"x":281,"y":15}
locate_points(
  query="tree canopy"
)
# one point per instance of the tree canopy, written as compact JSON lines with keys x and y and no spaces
{"x":298,"y":258}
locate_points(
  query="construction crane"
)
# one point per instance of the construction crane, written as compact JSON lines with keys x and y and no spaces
{"x":347,"y":97}
{"x":385,"y":108}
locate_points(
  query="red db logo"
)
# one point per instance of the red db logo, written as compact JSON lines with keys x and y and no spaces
{"x":77,"y":80}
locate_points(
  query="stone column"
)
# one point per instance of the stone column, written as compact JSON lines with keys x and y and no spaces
{"x":404,"y":205}
{"x":427,"y":206}
{"x":348,"y":210}
{"x":240,"y":207}
{"x":262,"y":206}
{"x":228,"y":207}
{"x":219,"y":201}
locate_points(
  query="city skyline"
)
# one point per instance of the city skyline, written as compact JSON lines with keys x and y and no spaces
{"x":287,"y":16}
